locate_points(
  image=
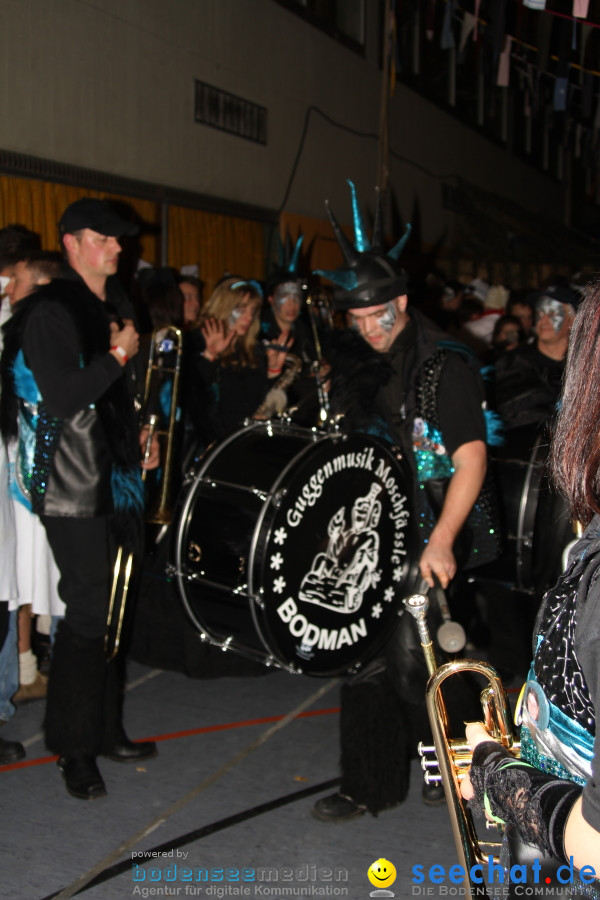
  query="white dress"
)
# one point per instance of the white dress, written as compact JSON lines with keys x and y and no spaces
{"x":8,"y":538}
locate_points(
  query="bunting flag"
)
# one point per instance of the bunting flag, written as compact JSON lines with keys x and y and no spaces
{"x":580,"y":8}
{"x":535,"y":4}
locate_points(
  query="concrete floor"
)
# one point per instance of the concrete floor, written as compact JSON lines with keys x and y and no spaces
{"x":228,"y":797}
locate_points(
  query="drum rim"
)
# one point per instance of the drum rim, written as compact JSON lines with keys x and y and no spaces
{"x":268,"y":658}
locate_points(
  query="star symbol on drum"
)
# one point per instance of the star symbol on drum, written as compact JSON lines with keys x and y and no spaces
{"x":388,"y":594}
{"x":397,"y":574}
{"x":279,"y":584}
{"x":280,"y":536}
{"x":376,"y":610}
{"x":276,"y":561}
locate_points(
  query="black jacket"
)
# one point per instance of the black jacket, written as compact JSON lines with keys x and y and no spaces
{"x":86,"y":457}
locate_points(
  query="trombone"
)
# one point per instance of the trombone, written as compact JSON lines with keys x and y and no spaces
{"x":453,"y":755}
{"x":165,"y":341}
{"x":161,"y":392}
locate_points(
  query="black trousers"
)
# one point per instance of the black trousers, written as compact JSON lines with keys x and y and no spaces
{"x":83,"y":706}
{"x":82,"y":549}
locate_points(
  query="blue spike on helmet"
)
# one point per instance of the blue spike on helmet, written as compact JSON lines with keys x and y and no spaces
{"x":370,"y":276}
{"x":397,"y":249}
{"x":344,"y":278}
{"x":361,"y":241}
{"x":296,"y":255}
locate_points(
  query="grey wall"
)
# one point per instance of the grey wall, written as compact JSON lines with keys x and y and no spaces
{"x":108,"y":84}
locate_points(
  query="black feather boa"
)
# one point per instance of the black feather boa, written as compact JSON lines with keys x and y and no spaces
{"x":357,"y":374}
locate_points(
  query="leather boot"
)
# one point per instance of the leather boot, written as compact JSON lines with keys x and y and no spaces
{"x":10,"y":752}
{"x":115,"y":743}
{"x":74,"y":710}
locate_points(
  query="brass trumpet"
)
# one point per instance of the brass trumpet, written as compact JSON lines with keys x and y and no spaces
{"x":453,"y":756}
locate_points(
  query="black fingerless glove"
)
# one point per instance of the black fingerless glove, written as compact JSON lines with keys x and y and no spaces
{"x":513,"y":792}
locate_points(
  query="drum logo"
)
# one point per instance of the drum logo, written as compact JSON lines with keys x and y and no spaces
{"x":340,"y":576}
{"x":342,"y":543}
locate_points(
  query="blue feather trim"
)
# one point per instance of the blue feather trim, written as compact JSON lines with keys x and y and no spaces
{"x":466,"y":352}
{"x":127,"y":489}
{"x":494,"y":428}
{"x":25,"y":384}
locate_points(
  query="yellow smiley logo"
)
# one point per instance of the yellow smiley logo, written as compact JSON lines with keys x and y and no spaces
{"x":382,"y":873}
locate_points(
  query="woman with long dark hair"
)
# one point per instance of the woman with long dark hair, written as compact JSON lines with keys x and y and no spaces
{"x":550,"y":799}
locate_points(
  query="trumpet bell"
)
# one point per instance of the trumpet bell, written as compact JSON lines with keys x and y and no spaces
{"x":449,"y":759}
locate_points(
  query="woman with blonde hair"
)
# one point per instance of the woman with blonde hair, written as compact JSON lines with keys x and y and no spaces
{"x":230,"y":323}
{"x":228,"y":369}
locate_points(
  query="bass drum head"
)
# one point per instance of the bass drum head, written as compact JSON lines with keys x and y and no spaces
{"x":332,"y":555}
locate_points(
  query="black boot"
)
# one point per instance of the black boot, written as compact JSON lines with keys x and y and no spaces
{"x":115,"y":743}
{"x":10,"y":752}
{"x":375,"y":756}
{"x":375,"y":738}
{"x":74,"y":710}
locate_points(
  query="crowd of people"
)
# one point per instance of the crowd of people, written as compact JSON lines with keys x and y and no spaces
{"x":75,"y":446}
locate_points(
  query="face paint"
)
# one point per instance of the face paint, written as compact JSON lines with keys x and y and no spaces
{"x":387,"y":319}
{"x":287,"y":291}
{"x":553,"y":309}
{"x":235,"y":315}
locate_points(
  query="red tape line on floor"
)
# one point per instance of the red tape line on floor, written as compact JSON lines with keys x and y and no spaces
{"x":43,"y":760}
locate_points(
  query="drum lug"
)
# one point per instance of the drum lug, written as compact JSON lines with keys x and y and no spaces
{"x":353,"y":670}
{"x":278,"y":497}
{"x":189,"y":476}
{"x":170,"y":570}
{"x":226,"y":643}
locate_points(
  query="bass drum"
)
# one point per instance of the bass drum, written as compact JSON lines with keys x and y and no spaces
{"x":293,"y":546}
{"x":536,"y":522}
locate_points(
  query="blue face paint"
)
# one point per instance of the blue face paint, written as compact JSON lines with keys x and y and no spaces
{"x":555,"y":311}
